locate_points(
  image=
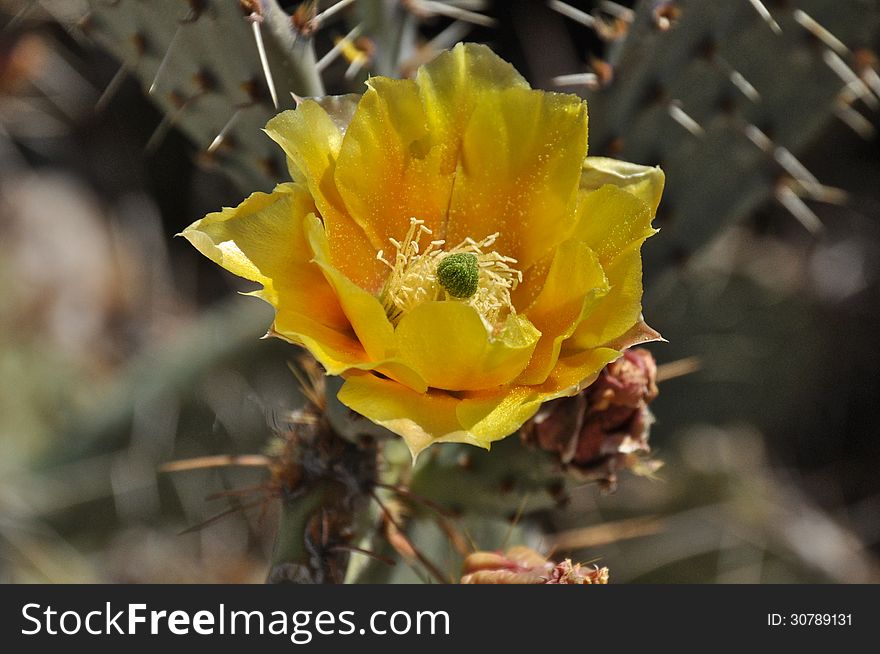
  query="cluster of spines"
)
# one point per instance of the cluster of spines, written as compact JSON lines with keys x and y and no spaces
{"x":219,"y":69}
{"x":723,"y":95}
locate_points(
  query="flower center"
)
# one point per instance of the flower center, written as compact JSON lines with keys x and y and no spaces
{"x":459,"y":274}
{"x":470,"y":272}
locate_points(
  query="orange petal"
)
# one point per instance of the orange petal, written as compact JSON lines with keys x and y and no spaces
{"x":363,"y":309}
{"x":518,"y":172}
{"x":365,"y":314}
{"x":311,"y":138}
{"x":387,"y":171}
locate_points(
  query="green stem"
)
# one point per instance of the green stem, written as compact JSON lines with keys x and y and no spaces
{"x":297,"y":557}
{"x":299,"y":60}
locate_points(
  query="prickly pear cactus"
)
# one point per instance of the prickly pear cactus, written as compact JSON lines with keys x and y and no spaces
{"x":686,"y":85}
{"x":219,"y":71}
{"x":724,"y":97}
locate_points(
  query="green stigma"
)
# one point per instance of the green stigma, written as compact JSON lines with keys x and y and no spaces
{"x":459,"y":274}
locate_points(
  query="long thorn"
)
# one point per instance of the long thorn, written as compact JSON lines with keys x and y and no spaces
{"x":741,"y":83}
{"x":606,"y":533}
{"x":521,"y":509}
{"x":457,"y":13}
{"x":618,"y":11}
{"x":759,"y":138}
{"x":796,"y":169}
{"x":165,"y":59}
{"x":219,"y":461}
{"x":765,"y":14}
{"x":848,"y":75}
{"x":678,"y":368}
{"x":111,"y":88}
{"x":210,"y":521}
{"x":168,"y":121}
{"x":568,"y":11}
{"x":20,"y":16}
{"x":221,"y":135}
{"x":359,"y":550}
{"x":330,"y":11}
{"x":855,"y":121}
{"x":405,"y":492}
{"x":264,"y":59}
{"x":798,"y":208}
{"x":814,"y":28}
{"x":236,"y":492}
{"x":590,"y":80}
{"x":684,"y":119}
{"x":335,"y":51}
{"x":443,"y":519}
{"x":872,"y":79}
{"x":429,"y":566}
{"x":452,"y":34}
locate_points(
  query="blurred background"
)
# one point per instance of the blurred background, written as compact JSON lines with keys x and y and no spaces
{"x":121,"y":348}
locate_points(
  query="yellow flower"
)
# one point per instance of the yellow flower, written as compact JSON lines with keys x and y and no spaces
{"x":447,"y":247}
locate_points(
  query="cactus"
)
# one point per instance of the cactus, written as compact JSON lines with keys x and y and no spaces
{"x":710,"y":88}
{"x":200,"y":62}
{"x":694,"y":84}
{"x":219,"y":69}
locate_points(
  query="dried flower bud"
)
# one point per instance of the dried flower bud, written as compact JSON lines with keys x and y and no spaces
{"x":606,"y":426}
{"x":567,"y":572}
{"x":522,"y":565}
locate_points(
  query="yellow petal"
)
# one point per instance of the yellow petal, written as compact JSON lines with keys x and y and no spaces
{"x":453,"y":85}
{"x":574,"y":372}
{"x":336,"y":351}
{"x":245,"y":240}
{"x":438,"y":417}
{"x":620,"y":309}
{"x":363,"y":309}
{"x":610,"y":220}
{"x":645,"y":182}
{"x":364,"y":312}
{"x":492,"y":415}
{"x":449,"y":346}
{"x":311,"y":138}
{"x":574,"y":285}
{"x":420,"y":418}
{"x":519,"y":171}
{"x":387,"y":171}
{"x":614,"y":223}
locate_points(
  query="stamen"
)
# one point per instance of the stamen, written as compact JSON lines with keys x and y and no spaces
{"x":466,"y":273}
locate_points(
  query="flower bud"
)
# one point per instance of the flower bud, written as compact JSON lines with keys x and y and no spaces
{"x":522,"y":565}
{"x":606,"y":426}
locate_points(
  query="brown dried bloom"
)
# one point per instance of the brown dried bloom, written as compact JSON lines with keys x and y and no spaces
{"x":606,"y":426}
{"x":523,"y":565}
